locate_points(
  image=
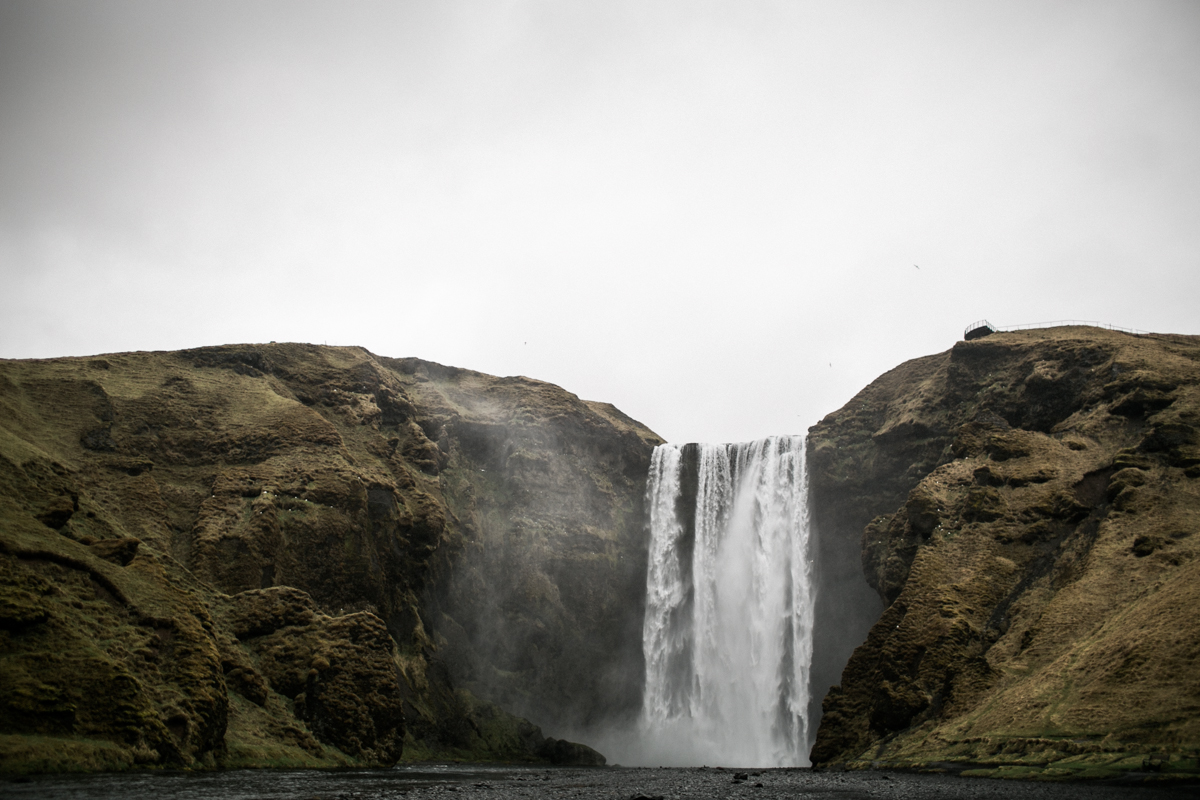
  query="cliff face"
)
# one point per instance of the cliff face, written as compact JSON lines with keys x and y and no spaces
{"x":255,"y":555}
{"x":542,"y":611}
{"x":1026,"y":506}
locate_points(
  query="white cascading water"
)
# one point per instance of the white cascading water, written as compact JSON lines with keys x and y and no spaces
{"x":729,"y":615}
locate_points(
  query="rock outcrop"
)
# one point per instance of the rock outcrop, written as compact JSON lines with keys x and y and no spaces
{"x":1027,"y":508}
{"x":289,"y":554}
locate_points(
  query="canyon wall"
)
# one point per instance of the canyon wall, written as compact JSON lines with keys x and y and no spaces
{"x":273,"y":555}
{"x":1026,"y":508}
{"x":287,"y":554}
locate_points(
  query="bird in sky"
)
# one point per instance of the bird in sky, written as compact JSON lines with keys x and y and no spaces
{"x":916,"y":266}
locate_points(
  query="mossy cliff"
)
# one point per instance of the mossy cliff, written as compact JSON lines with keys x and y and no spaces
{"x":298,"y":555}
{"x":542,"y":611}
{"x":1027,"y":508}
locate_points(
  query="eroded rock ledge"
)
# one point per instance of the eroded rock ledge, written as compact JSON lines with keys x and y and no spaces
{"x":1027,"y":508}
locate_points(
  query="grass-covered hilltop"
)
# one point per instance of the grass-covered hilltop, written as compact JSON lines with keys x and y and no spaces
{"x":1027,"y":507}
{"x":284,"y":554}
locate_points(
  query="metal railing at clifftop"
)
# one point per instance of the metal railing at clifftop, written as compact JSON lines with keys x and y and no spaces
{"x":977,"y":330}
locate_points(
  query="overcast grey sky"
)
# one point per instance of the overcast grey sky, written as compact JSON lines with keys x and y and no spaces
{"x":708,"y":213}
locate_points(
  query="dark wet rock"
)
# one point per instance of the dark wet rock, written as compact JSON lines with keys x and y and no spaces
{"x":570,"y":754}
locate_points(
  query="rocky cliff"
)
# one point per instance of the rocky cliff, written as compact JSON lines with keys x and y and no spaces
{"x":289,"y":554}
{"x":1027,"y":508}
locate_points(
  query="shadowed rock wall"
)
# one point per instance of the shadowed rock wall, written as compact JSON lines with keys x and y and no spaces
{"x":543,"y":609}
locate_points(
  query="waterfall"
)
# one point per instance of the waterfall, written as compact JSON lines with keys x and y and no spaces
{"x":729,"y":614}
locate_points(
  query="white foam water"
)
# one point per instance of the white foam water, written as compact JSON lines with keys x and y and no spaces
{"x":729,"y":615}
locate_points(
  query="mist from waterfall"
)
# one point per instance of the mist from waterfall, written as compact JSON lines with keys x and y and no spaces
{"x":729,"y":613}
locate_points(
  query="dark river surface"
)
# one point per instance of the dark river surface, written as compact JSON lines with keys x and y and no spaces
{"x":511,"y":782}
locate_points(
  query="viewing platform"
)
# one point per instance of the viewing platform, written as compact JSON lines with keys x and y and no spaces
{"x":977,"y":330}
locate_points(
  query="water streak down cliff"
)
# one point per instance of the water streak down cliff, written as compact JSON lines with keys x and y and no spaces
{"x":729,"y":616}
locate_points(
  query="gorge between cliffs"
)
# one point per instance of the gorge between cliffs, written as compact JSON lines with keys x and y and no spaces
{"x":293,"y":555}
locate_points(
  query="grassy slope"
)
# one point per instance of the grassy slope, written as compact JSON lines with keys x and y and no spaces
{"x":140,"y":492}
{"x":1042,"y":566}
{"x":124,"y":667}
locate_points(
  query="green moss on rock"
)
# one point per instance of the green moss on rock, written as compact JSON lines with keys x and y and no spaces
{"x":1019,"y":505}
{"x":242,"y":556}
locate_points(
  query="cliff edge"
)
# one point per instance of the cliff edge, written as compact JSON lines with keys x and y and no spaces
{"x":1026,"y":507}
{"x":291,"y":555}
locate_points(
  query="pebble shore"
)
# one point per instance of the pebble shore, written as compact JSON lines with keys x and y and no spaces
{"x":497,"y":782}
{"x":616,"y":783}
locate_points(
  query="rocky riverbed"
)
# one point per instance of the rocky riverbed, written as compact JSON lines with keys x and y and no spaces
{"x":611,"y":783}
